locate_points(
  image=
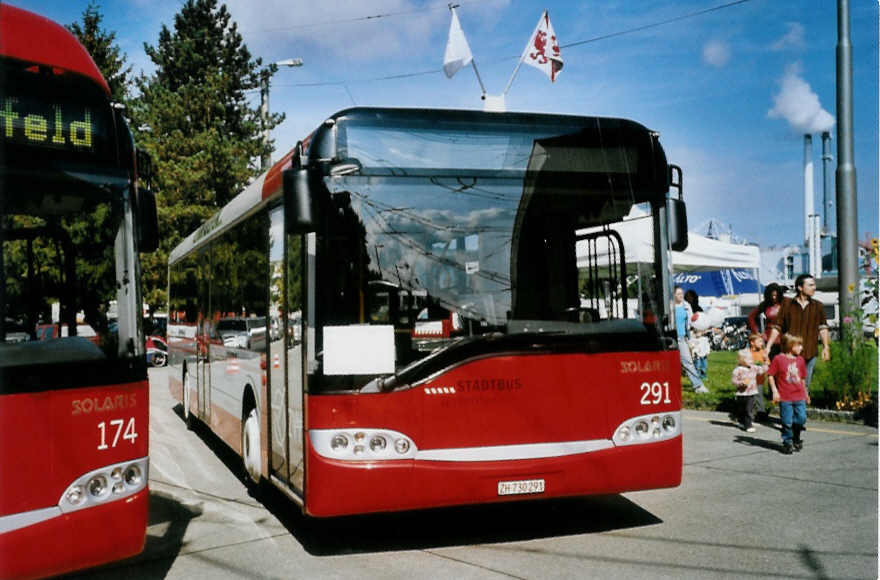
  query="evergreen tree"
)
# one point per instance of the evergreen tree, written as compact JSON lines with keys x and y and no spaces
{"x":196,"y":123}
{"x":100,"y":44}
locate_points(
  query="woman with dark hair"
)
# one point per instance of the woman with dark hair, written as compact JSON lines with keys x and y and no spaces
{"x":769,"y":308}
{"x":760,"y":320}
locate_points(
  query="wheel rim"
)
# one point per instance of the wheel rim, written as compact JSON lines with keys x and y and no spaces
{"x":159,"y":360}
{"x":250,"y":446}
{"x":186,"y":396}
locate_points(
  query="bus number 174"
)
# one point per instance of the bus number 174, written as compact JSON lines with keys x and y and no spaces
{"x":130,"y":434}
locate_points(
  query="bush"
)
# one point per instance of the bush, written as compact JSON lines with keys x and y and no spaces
{"x":847,"y":381}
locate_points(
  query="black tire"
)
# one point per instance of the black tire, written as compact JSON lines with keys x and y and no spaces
{"x":188,"y":417}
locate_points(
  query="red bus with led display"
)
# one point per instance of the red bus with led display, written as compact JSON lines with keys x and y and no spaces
{"x":74,"y":420}
{"x":435,"y":308}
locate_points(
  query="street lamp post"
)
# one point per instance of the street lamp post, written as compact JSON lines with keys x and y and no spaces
{"x":264,"y":108}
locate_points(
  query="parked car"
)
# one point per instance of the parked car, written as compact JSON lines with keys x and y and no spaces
{"x":246,"y":333}
{"x":157,"y":351}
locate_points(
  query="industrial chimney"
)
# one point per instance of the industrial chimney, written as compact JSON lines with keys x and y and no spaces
{"x":808,"y":187}
{"x":826,"y":159}
{"x":811,"y":219}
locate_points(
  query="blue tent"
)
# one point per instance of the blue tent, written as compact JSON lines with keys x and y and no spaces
{"x":718,"y":282}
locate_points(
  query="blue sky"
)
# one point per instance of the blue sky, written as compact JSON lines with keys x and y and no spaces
{"x":717,"y":86}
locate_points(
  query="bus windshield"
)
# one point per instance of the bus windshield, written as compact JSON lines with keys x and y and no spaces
{"x":453,"y":231}
{"x":59,"y":277}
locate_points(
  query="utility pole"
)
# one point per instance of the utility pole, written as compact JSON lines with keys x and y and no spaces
{"x":264,"y":107}
{"x":847,"y":225}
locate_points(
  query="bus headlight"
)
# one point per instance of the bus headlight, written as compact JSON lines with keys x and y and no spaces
{"x":377,"y":444}
{"x":362,"y":444}
{"x":339,"y":442}
{"x":648,"y":429}
{"x":401,"y":446}
{"x":133,"y":475}
{"x":105,"y":484}
{"x":98,"y":486}
{"x":75,"y":495}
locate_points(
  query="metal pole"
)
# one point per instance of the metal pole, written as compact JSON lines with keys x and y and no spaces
{"x":264,"y":118}
{"x":847,"y":225}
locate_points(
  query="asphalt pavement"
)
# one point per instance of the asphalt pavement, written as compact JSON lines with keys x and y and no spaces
{"x":743,"y":510}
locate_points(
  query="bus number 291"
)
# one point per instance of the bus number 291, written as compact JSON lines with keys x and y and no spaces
{"x":129,"y":434}
{"x":655,"y":393}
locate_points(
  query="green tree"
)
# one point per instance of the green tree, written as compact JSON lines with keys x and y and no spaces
{"x":106,"y":54}
{"x":194,"y":119}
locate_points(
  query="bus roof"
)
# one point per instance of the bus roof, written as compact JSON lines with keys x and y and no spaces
{"x":267,"y":187}
{"x":54,"y":46}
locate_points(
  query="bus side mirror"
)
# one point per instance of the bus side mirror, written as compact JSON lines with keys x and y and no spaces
{"x":148,"y":222}
{"x":676,"y":218}
{"x":676,"y":212}
{"x":299,"y":215}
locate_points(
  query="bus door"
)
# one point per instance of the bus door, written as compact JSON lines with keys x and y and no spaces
{"x":286,"y":336}
{"x":203,"y":341}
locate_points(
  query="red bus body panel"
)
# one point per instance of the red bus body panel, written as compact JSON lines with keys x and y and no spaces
{"x":50,"y":439}
{"x":81,"y":539}
{"x":34,"y":38}
{"x":497,"y":401}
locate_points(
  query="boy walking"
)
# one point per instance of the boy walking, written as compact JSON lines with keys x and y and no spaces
{"x":787,"y":374}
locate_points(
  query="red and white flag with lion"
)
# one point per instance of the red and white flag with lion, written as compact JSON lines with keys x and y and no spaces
{"x":542,"y":50}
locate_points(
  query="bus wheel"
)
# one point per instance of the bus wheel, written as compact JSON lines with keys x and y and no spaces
{"x":250,"y":448}
{"x":187,"y":415}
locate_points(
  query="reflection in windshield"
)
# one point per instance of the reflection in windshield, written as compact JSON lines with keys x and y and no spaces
{"x":458,"y":232}
{"x":59,"y":280}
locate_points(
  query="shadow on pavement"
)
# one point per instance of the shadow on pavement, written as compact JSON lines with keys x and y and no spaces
{"x":162,"y":545}
{"x":457,"y":526}
{"x":758,"y":442}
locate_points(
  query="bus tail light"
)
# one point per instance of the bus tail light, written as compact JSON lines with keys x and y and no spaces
{"x":648,"y":429}
{"x":105,"y":484}
{"x":362,"y":444}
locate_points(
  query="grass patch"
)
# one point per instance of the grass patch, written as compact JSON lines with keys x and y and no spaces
{"x":722,"y":394}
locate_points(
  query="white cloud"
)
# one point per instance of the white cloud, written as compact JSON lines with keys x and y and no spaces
{"x":798,"y":104}
{"x":793,"y":39}
{"x":716,"y":53}
{"x":341,"y":29}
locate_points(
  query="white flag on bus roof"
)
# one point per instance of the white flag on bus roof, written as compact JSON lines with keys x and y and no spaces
{"x":542,"y":50}
{"x":458,"y":52}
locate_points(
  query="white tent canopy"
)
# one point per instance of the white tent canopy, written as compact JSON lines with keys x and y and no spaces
{"x":702,"y":253}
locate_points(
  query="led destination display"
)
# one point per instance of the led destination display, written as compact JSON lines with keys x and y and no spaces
{"x":50,"y":128}
{"x":65,"y":120}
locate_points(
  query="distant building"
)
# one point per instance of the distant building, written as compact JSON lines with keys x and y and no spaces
{"x":782,"y":264}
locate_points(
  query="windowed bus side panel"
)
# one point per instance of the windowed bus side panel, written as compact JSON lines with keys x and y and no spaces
{"x":237,"y":329}
{"x":188,"y":298}
{"x":499,"y":419}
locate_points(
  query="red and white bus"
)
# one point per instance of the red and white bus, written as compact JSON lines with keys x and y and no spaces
{"x":422,"y":308}
{"x":73,"y":382}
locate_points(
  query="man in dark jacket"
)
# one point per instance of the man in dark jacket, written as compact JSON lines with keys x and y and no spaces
{"x":805,"y":317}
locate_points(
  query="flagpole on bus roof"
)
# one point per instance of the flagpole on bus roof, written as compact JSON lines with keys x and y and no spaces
{"x":546,"y":56}
{"x":513,"y":76}
{"x":458,"y":52}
